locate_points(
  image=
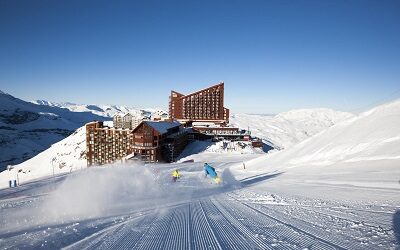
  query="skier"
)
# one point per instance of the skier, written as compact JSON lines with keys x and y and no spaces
{"x":209,"y":170}
{"x":175,"y":175}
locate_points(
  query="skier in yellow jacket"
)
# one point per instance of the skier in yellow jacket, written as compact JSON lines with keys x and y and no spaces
{"x":175,"y":175}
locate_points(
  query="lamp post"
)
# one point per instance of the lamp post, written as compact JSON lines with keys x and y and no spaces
{"x":20,"y":170}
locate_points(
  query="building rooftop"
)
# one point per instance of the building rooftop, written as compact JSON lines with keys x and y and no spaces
{"x":162,"y":126}
{"x":199,"y":91}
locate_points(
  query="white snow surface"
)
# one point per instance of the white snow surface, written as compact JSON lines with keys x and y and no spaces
{"x":139,"y":207}
{"x":289,"y":128}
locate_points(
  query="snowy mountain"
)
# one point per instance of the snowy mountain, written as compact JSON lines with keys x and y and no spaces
{"x":286,"y":129}
{"x":103,"y":110}
{"x":27,"y":129}
{"x":361,"y":151}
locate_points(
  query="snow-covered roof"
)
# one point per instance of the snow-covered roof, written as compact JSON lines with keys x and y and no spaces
{"x":162,"y":126}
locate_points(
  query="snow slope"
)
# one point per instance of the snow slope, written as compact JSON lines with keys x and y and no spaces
{"x":27,"y":129}
{"x":363,"y":151}
{"x":65,"y":156}
{"x":289,"y":128}
{"x":139,"y":207}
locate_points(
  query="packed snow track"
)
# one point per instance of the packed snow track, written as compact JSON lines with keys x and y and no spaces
{"x":225,"y":217}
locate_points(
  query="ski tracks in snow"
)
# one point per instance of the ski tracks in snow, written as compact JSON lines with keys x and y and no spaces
{"x":238,"y":219}
{"x":227,"y":221}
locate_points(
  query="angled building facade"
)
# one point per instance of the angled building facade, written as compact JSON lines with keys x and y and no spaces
{"x":206,"y":105}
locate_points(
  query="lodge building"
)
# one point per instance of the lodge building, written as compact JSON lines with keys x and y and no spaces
{"x":158,"y":141}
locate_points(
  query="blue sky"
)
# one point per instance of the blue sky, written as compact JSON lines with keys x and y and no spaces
{"x":272,"y":55}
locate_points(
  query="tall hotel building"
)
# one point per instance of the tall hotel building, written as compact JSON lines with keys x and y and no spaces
{"x":206,"y":105}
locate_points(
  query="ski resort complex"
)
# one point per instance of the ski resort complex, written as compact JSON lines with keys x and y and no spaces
{"x":198,"y":116}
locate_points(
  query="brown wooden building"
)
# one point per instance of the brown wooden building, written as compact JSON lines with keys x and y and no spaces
{"x":205,"y":105}
{"x":158,"y":141}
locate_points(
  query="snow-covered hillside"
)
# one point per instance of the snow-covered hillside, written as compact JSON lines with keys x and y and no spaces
{"x":198,"y":149}
{"x":361,"y":151}
{"x":27,"y":129}
{"x":104,"y":110}
{"x":289,"y":128}
{"x":64,"y":156}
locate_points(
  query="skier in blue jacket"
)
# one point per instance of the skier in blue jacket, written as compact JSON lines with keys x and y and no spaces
{"x":209,"y":170}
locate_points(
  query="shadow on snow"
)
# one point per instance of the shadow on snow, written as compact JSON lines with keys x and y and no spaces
{"x":258,"y":178}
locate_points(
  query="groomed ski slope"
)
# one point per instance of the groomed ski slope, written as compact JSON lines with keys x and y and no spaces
{"x":141,"y":208}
